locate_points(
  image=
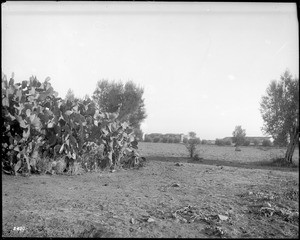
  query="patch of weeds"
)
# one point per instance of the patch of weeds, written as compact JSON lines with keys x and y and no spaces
{"x":280,"y":162}
{"x":265,"y":205}
{"x":44,"y":164}
{"x":292,"y":194}
{"x":75,"y":169}
{"x":214,"y":231}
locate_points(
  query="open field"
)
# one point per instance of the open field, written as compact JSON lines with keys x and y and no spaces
{"x":158,"y":200}
{"x":248,"y":155}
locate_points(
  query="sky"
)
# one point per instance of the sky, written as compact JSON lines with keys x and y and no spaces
{"x":204,"y":66}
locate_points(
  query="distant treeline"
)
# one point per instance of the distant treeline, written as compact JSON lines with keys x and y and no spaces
{"x":165,"y":138}
{"x":181,"y":138}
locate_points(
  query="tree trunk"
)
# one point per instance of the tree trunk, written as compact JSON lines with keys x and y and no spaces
{"x":291,"y":147}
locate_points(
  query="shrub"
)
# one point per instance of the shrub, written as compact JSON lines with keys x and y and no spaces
{"x":228,"y":143}
{"x":256,"y":142}
{"x":191,"y":146}
{"x":170,"y":140}
{"x":148,"y":139}
{"x":156,"y":139}
{"x":219,"y":142}
{"x":165,"y":140}
{"x":246,"y":143}
{"x":177,"y":140}
{"x":204,"y":141}
{"x":185,"y":140}
{"x":266,"y":143}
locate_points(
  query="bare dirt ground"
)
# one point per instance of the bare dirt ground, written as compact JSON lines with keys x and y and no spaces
{"x":162,"y":199}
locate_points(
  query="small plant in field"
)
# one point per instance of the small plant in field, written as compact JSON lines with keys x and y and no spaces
{"x":192,"y":144}
{"x":76,"y":169}
{"x":197,"y":157}
{"x":93,"y":157}
{"x":60,"y":165}
{"x":133,"y":161}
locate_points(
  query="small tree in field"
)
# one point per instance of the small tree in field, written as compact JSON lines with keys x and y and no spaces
{"x":239,"y":136}
{"x":280,"y":112}
{"x":191,"y":144}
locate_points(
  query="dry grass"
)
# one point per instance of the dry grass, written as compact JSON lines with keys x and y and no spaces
{"x":213,"y":152}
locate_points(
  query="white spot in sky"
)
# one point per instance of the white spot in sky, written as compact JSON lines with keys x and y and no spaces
{"x":231,"y":77}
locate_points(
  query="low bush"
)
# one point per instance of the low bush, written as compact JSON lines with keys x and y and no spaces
{"x":266,"y":143}
{"x":220,"y":142}
{"x":256,"y":142}
{"x":148,"y":139}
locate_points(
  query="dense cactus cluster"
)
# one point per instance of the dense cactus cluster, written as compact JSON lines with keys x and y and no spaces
{"x":38,"y":124}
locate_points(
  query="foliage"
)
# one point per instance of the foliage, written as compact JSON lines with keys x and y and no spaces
{"x":36,"y":124}
{"x":191,"y":146}
{"x":164,"y":138}
{"x":220,"y":142}
{"x":138,"y":133}
{"x":148,"y":139}
{"x":192,"y":134}
{"x":112,"y":96}
{"x":280,"y":112}
{"x":203,"y":141}
{"x":281,"y":139}
{"x":192,"y":143}
{"x":255,"y":142}
{"x":246,"y":143}
{"x":239,"y":135}
{"x":266,"y":143}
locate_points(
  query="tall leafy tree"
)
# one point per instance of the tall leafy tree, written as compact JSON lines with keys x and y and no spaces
{"x":192,"y":134}
{"x":280,"y":112}
{"x":239,"y":135}
{"x":127,"y":98}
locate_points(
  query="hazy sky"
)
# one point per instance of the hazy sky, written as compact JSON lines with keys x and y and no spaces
{"x":203,"y":66}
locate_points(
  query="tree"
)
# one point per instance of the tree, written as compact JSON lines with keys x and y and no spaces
{"x":191,"y":144}
{"x":192,"y":134}
{"x":70,"y":95}
{"x":239,"y":136}
{"x":280,"y":112}
{"x":128,"y":98}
